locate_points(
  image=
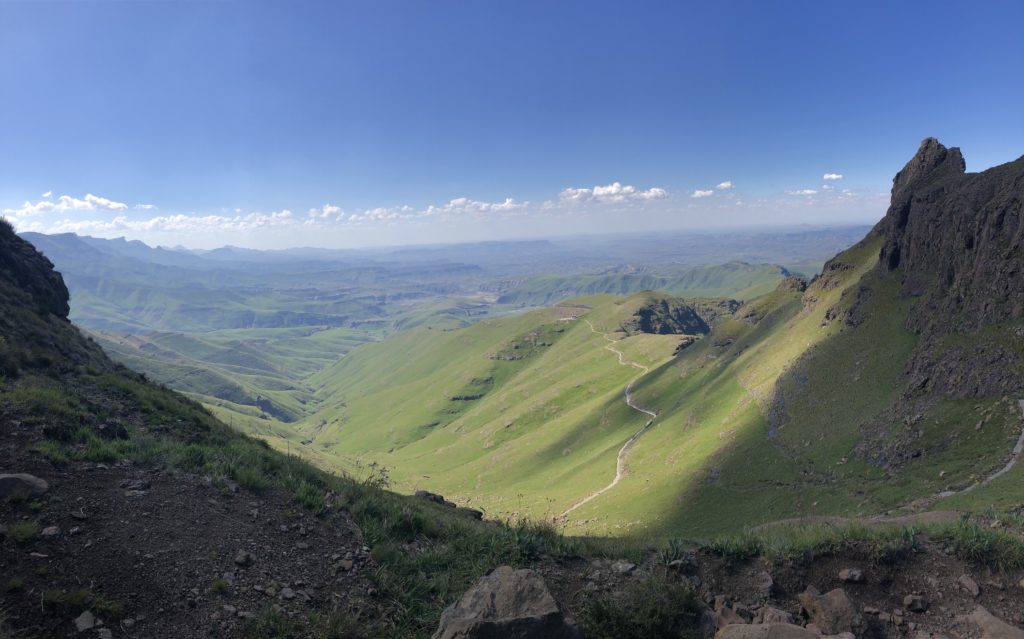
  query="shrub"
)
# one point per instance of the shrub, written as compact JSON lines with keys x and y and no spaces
{"x":649,"y":609}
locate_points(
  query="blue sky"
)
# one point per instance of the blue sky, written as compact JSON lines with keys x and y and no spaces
{"x":340,"y":124}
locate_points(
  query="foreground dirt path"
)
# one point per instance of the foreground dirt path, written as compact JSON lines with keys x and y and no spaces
{"x":620,"y":460}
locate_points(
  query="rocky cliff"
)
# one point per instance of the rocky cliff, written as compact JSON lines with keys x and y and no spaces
{"x":956,"y":237}
{"x":24,"y":272}
{"x":34,"y":327}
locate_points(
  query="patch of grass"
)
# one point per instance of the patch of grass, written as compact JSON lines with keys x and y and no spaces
{"x":738,"y":547}
{"x":219,"y":586}
{"x":650,"y":609}
{"x":973,"y":541}
{"x":809,"y":542}
{"x":97,"y":449}
{"x":276,"y":625}
{"x":23,"y":531}
{"x":14,"y":584}
{"x":79,"y":599}
{"x":52,"y":451}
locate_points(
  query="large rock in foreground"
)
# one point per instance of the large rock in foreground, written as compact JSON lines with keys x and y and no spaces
{"x":22,"y":486}
{"x":506,"y":604}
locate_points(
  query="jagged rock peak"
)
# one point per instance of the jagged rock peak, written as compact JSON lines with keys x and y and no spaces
{"x":932,"y":156}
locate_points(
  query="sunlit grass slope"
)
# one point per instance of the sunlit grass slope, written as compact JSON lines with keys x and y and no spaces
{"x":758,"y":421}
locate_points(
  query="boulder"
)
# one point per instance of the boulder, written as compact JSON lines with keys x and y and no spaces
{"x":993,"y":627}
{"x":766,"y":631}
{"x":727,"y":616}
{"x":506,"y":603}
{"x":833,"y":612}
{"x":22,"y":486}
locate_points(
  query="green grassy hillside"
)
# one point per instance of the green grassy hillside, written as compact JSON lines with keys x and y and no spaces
{"x":734,"y":279}
{"x":767,"y":417}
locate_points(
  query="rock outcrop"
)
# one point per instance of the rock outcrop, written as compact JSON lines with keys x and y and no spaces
{"x":507,"y":603}
{"x":31,"y":273}
{"x":956,"y":241}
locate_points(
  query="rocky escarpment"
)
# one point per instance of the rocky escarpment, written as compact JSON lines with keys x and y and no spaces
{"x":956,"y":238}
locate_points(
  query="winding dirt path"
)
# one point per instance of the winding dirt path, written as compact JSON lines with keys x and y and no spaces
{"x":923,"y":516}
{"x":1014,"y":457}
{"x":620,"y":460}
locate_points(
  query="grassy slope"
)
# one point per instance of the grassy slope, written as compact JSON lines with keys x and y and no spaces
{"x":547,"y":430}
{"x":733,"y":279}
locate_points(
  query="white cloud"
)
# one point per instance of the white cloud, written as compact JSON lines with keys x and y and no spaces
{"x":827,"y":187}
{"x":325,"y":212}
{"x":47,"y":194}
{"x":466,"y":205}
{"x":699,"y":193}
{"x":724,"y":185}
{"x":178,"y":223}
{"x":611,"y":193}
{"x":145,"y":207}
{"x":67,"y":203}
{"x":802,"y":192}
{"x":832,"y":176}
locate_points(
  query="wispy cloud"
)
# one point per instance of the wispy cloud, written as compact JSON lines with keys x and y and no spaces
{"x":832,"y":176}
{"x":47,"y":194}
{"x":722,"y":186}
{"x":699,"y":193}
{"x":145,"y":207}
{"x":802,"y":192}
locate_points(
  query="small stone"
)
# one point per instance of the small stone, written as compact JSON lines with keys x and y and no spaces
{"x":104,"y":633}
{"x":915,"y":603}
{"x":287,"y":593}
{"x":968,"y":585}
{"x":79,"y":515}
{"x":851,"y":575}
{"x":50,"y":532}
{"x":345,"y":564}
{"x":623,"y":567}
{"x":85,"y":621}
{"x":128,"y":623}
{"x":302,"y":545}
{"x":244,"y":558}
{"x":231,"y":610}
